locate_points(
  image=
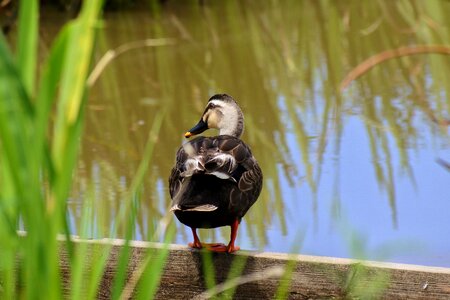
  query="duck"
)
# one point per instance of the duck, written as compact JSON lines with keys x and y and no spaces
{"x":215,"y":179}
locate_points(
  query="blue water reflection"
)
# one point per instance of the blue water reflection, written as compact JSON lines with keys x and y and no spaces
{"x":350,"y":202}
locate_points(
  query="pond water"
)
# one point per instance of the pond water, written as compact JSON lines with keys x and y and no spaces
{"x":358,"y":173}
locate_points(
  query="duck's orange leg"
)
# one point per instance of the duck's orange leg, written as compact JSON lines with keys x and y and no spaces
{"x":196,"y":243}
{"x":231,"y":247}
{"x":234,"y":228}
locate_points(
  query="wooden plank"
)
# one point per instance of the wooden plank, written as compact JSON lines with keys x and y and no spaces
{"x":312,"y":277}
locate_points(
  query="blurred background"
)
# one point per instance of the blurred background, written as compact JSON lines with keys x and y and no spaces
{"x":356,"y":172}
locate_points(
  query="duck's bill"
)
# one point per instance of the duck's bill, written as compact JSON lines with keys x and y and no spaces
{"x":197,"y":129}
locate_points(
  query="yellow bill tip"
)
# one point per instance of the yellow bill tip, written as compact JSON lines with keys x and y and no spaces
{"x":188,"y":134}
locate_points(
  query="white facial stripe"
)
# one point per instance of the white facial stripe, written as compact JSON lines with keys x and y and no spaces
{"x":217,"y":102}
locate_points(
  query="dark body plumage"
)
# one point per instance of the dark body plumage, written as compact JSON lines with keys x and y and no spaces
{"x":215,"y":179}
{"x":232,"y":196}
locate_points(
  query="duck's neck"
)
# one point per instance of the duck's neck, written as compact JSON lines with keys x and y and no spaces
{"x":233,"y":125}
{"x":232,"y":132}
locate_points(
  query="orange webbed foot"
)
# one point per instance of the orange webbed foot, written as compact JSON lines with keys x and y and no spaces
{"x":221,"y":248}
{"x":208,"y":246}
{"x":215,"y":247}
{"x":195,"y":245}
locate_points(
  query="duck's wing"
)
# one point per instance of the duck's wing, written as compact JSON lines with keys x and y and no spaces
{"x":251,"y":181}
{"x":189,"y":161}
{"x":246,"y":172}
{"x":175,"y":178}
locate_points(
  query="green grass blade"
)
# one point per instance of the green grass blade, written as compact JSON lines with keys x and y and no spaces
{"x":20,"y":174}
{"x":133,"y":191}
{"x":73,"y":81}
{"x":151,"y":279}
{"x":49,"y":86}
{"x":72,"y":95}
{"x":236,"y":269}
{"x":15,"y":117}
{"x":122,"y":263}
{"x":27,"y":43}
{"x":209,"y":271}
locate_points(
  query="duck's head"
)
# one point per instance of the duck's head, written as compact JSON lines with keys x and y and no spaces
{"x":223,"y":113}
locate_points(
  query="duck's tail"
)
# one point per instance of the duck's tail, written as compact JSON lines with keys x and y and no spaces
{"x":201,"y":192}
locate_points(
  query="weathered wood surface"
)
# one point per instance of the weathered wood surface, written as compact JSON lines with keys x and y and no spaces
{"x":311,"y":278}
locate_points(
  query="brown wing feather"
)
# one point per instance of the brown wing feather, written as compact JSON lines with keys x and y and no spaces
{"x":250,"y":185}
{"x":249,"y":175}
{"x":175,"y":175}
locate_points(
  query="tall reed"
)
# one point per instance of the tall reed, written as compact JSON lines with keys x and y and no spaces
{"x":38,"y":152}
